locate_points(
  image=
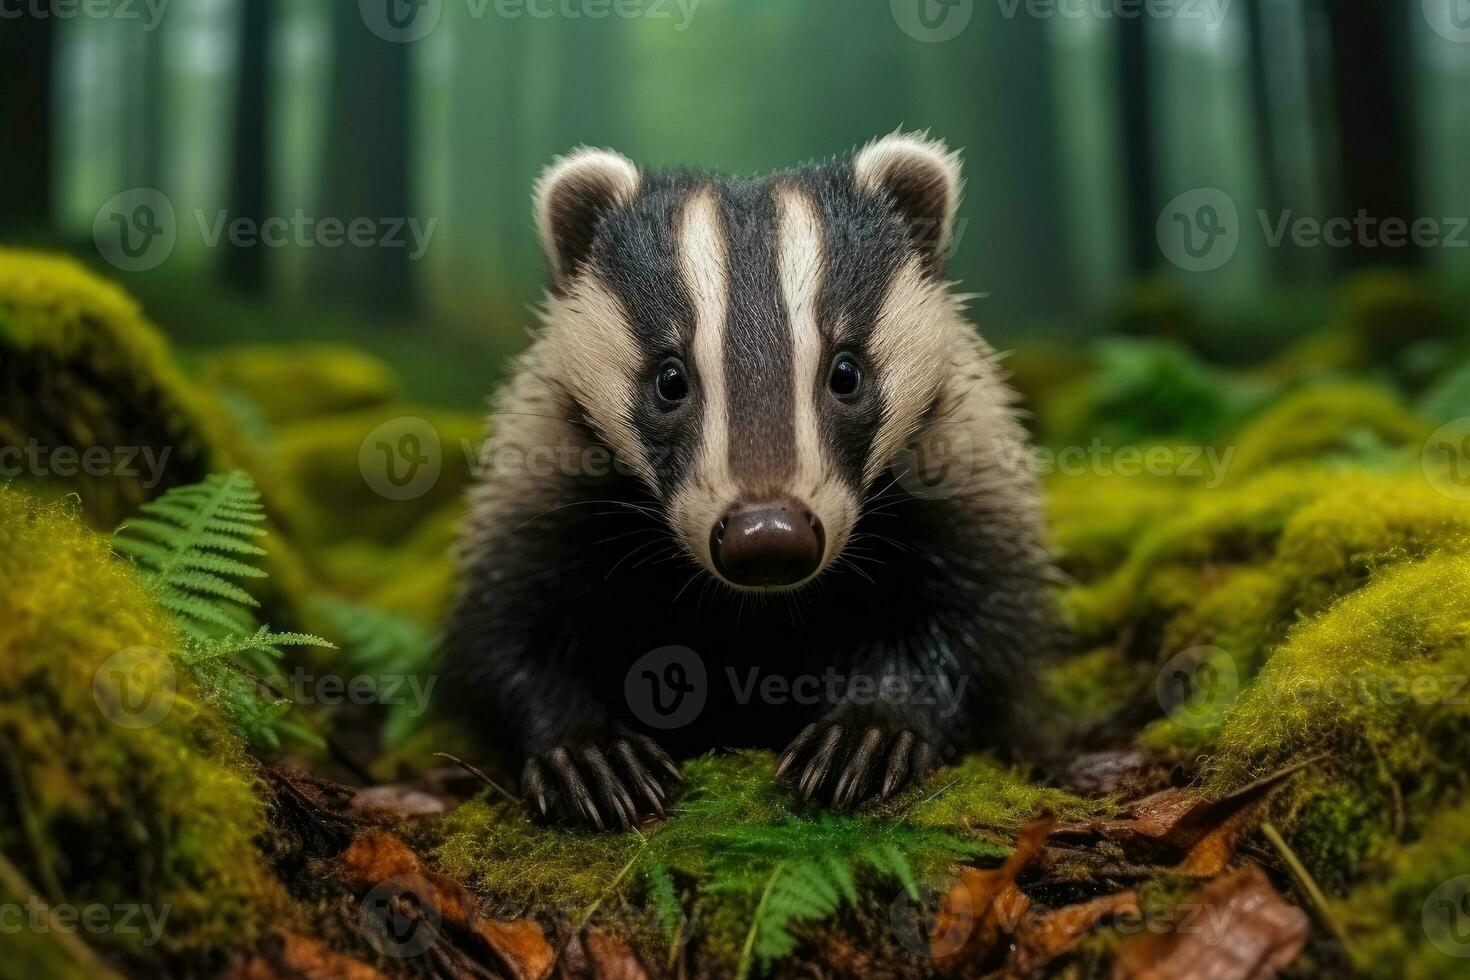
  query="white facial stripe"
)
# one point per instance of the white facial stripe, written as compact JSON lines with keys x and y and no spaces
{"x":597,"y":356}
{"x":800,"y":256}
{"x":702,"y":266}
{"x":909,"y":345}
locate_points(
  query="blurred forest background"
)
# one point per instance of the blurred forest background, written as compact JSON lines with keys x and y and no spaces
{"x":1079,"y":125}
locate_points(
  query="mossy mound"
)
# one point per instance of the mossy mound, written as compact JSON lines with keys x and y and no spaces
{"x":377,"y":474}
{"x":1378,"y":683}
{"x":93,"y":403}
{"x":1346,"y":421}
{"x":124,"y":788}
{"x":287,"y":383}
{"x":87,"y":380}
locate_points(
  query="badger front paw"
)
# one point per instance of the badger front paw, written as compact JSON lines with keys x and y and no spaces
{"x":844,"y":762}
{"x":609,"y":782}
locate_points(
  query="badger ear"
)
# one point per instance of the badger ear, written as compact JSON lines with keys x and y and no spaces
{"x":922,"y":179}
{"x":572,"y":196}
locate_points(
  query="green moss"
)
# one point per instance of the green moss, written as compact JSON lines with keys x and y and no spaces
{"x":82,"y":368}
{"x":1235,"y":526}
{"x":1376,"y":682}
{"x":982,"y":798}
{"x":1390,"y":917}
{"x":1326,"y":421}
{"x":1097,"y":520}
{"x":1089,"y":687}
{"x":345,"y":467}
{"x":734,"y":825}
{"x":288,"y":382}
{"x":111,"y":805}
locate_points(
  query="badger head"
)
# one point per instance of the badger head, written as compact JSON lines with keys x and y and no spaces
{"x":756,"y":351}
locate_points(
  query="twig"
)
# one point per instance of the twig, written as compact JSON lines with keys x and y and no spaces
{"x":478,"y":774}
{"x":1308,"y":884}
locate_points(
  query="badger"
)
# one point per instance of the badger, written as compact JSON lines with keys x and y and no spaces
{"x":770,"y":441}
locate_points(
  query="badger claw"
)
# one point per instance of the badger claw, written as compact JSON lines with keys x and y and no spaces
{"x":609,"y":783}
{"x":845,"y":765}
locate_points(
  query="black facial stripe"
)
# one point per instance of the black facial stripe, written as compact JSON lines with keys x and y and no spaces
{"x":637,"y":254}
{"x":758,"y":346}
{"x":865,"y":246}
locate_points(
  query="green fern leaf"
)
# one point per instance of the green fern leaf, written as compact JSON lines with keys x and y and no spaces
{"x":193,"y":537}
{"x":190,"y":548}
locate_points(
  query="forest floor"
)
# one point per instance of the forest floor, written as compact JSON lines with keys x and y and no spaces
{"x":1255,"y":760}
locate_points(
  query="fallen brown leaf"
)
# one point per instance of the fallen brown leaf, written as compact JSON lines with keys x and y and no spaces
{"x":518,"y":946}
{"x":598,"y":955}
{"x":1179,"y":825}
{"x":1235,"y":928}
{"x":1044,"y":937}
{"x":288,"y":956}
{"x":983,"y":906}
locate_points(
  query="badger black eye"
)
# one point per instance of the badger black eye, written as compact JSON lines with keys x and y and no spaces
{"x":846,"y":377}
{"x":672,"y":382}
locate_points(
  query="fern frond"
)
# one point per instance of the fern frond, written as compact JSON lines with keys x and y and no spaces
{"x":664,"y":899}
{"x":191,"y":549}
{"x":191,"y":543}
{"x":384,"y":645}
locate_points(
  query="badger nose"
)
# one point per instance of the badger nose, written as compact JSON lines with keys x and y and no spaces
{"x":772,"y":542}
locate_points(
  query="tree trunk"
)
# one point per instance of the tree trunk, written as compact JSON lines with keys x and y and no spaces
{"x":367,"y":168}
{"x":26,"y":121}
{"x":245,"y":267}
{"x":1371,"y":75}
{"x":1137,"y":141}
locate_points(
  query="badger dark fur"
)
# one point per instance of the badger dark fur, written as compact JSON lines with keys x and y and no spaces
{"x":778,"y":371}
